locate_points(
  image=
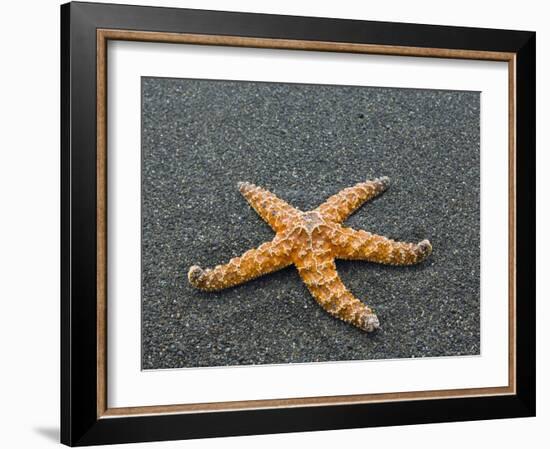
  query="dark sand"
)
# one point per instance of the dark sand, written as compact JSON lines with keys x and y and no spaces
{"x":304,"y":143}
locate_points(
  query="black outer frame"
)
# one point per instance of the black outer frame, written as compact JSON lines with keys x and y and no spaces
{"x":79,"y":422}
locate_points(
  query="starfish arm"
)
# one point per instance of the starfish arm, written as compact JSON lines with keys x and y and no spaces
{"x":273,"y":210}
{"x":362,"y":245}
{"x":320,"y":276}
{"x":267,"y":258}
{"x":340,"y":206}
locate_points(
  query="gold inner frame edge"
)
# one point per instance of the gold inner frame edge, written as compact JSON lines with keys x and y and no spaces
{"x":104,"y":35}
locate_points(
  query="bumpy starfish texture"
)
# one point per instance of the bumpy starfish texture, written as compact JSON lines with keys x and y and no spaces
{"x":312,"y":241}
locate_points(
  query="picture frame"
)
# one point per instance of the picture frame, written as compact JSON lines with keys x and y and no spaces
{"x":86,"y":30}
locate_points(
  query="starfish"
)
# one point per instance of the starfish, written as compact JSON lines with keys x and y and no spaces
{"x":312,"y":241}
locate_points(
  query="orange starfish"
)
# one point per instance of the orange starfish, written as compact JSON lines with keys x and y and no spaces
{"x":311,"y":241}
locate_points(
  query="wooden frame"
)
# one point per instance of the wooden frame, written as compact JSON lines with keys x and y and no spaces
{"x":86,"y":29}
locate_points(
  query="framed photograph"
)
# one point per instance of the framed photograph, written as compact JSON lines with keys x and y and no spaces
{"x":280,"y":224}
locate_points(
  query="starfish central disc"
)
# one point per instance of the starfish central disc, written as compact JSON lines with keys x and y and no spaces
{"x":311,"y":241}
{"x":311,"y":220}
